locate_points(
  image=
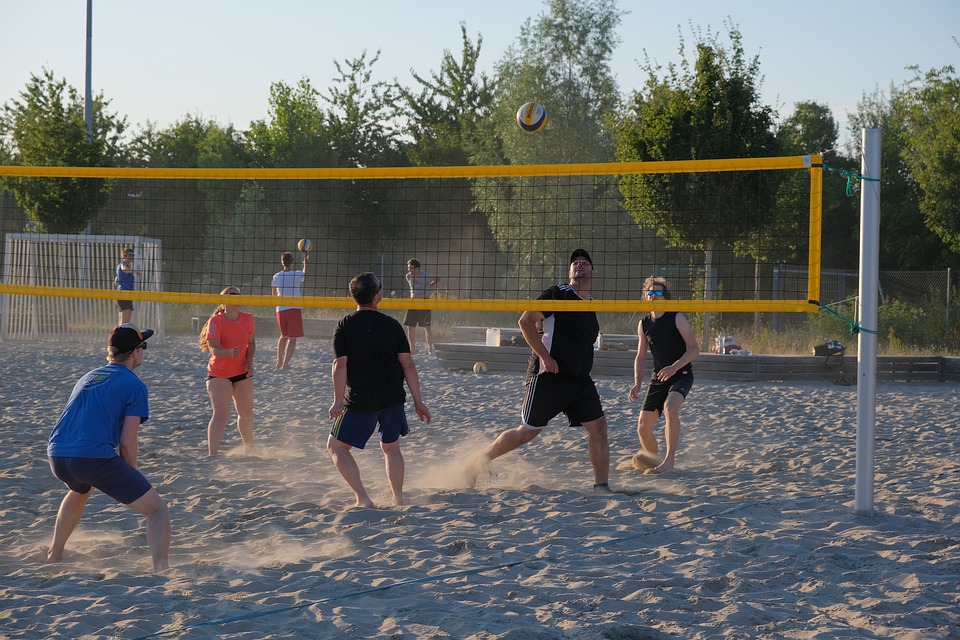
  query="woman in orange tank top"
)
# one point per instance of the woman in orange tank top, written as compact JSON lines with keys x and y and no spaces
{"x":229,"y":337}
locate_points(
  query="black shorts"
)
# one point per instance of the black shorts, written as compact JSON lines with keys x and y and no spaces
{"x":125,"y":305}
{"x":658,"y":391}
{"x":417,"y":318}
{"x":233,"y":379}
{"x":113,"y":476}
{"x":549,"y":394}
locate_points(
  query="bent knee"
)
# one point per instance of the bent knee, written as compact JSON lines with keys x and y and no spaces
{"x":149,"y":503}
{"x":596,"y":427}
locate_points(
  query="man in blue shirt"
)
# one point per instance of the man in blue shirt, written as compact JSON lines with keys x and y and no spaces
{"x":104,"y":414}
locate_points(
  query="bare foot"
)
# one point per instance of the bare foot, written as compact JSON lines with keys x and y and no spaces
{"x":474,"y":467}
{"x":53,"y":558}
{"x":664,"y":467}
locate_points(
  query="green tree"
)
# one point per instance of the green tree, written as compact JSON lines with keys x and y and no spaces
{"x":706,"y":109}
{"x":46,"y":127}
{"x":445,"y":117}
{"x":296,"y":134}
{"x":905,"y":241}
{"x":360,"y":116}
{"x":178,"y":212}
{"x":189,"y":142}
{"x":811,"y":128}
{"x":931,"y":150}
{"x":562,"y":60}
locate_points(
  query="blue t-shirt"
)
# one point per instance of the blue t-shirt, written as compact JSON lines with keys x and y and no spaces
{"x":90,"y":424}
{"x":125,"y":281}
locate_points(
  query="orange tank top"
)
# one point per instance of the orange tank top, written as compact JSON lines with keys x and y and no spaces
{"x":231,"y":333}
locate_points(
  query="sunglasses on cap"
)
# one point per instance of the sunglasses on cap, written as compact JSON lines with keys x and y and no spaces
{"x":655,"y":292}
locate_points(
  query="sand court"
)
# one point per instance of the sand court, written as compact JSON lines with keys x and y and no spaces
{"x":753,"y":536}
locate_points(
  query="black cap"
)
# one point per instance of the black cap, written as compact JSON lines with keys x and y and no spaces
{"x":126,"y":337}
{"x":580,"y":253}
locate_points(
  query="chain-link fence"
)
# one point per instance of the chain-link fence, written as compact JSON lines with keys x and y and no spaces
{"x":916,"y":307}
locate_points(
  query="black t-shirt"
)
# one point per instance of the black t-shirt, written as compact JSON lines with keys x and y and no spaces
{"x":371,"y":341}
{"x":666,"y":343}
{"x":568,"y":335}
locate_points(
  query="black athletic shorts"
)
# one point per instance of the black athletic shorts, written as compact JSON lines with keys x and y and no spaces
{"x":549,"y":394}
{"x":417,"y":318}
{"x":658,"y":390}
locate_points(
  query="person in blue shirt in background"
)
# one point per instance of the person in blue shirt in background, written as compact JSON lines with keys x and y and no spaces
{"x":126,"y":280}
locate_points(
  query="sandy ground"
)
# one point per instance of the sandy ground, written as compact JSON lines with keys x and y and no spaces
{"x":754,"y":535}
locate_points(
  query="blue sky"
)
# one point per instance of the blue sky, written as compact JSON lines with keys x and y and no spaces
{"x":161,"y":60}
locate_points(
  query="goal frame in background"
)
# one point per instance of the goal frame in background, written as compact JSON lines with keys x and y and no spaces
{"x":38,"y":262}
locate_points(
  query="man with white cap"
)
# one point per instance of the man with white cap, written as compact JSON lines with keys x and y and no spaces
{"x":103,"y":416}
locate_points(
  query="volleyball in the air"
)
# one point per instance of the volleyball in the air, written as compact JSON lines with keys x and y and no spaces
{"x":480,"y":367}
{"x":305,"y":245}
{"x":532,"y":116}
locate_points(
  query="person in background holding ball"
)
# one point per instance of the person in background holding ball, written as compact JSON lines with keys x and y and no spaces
{"x":103,"y":416}
{"x":126,"y":280}
{"x":421,"y":284}
{"x":229,"y":337}
{"x":290,"y":319}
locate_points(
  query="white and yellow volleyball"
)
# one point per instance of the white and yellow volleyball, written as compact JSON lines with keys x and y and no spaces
{"x":305,"y":245}
{"x":532,"y":116}
{"x":480,"y":367}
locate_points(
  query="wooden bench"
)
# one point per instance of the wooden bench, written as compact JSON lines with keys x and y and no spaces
{"x":712,"y":366}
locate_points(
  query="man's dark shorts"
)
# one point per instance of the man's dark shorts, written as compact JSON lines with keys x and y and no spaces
{"x":549,"y":394}
{"x":125,"y":305}
{"x":356,"y":427}
{"x":112,"y":476}
{"x":658,"y":391}
{"x":417,"y":318}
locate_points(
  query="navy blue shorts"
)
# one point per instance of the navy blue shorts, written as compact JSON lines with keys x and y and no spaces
{"x":356,"y":427}
{"x":658,"y":391}
{"x":549,"y":394}
{"x":112,"y":476}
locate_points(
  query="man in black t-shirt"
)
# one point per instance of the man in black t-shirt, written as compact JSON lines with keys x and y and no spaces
{"x":558,"y":377}
{"x":371,"y":362}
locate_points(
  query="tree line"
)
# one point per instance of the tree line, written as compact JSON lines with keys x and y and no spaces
{"x":707,"y":106}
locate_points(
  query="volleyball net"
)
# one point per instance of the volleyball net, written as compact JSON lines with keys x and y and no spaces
{"x":723,"y":232}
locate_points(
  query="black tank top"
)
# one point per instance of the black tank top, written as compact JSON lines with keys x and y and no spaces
{"x":666,"y":343}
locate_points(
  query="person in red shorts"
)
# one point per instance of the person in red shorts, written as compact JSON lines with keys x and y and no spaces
{"x":229,"y":337}
{"x":289,"y":282}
